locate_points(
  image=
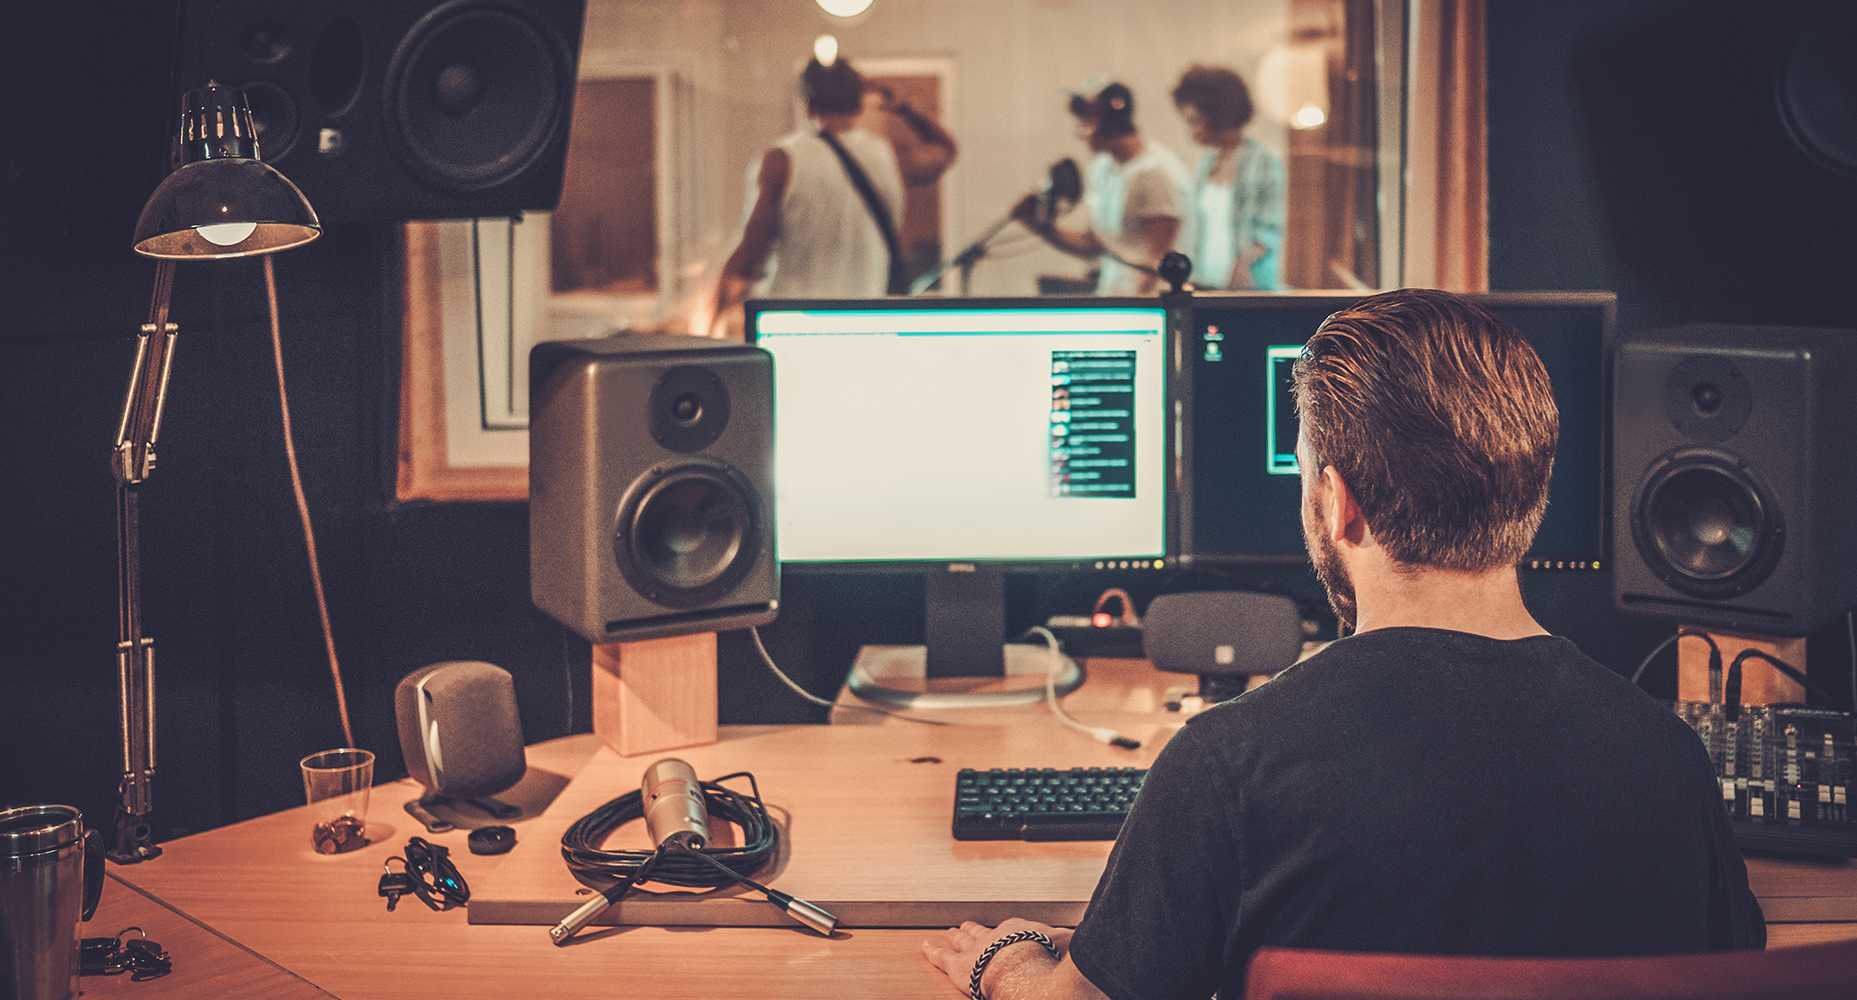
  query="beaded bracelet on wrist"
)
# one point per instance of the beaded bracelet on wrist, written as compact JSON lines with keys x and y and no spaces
{"x":980,"y":964}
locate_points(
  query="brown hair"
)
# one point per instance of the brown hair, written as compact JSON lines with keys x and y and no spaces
{"x":1441,"y":420}
{"x":837,"y":89}
{"x":1218,"y":93}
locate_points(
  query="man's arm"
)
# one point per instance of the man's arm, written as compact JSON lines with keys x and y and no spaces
{"x":1158,"y":923}
{"x":1023,"y":971}
{"x":1084,"y":243}
{"x":758,"y":235}
{"x":1154,"y":235}
{"x":1154,"y":208}
{"x":927,"y":150}
{"x":1267,"y":224}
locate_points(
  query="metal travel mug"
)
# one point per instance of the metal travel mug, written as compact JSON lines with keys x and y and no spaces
{"x":51,"y":876}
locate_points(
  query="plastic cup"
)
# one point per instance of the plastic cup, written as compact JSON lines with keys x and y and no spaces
{"x":336,"y":784}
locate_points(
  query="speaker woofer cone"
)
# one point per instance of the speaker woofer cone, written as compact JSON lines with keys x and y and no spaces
{"x":688,"y":533}
{"x":475,"y":93}
{"x":1706,"y":525}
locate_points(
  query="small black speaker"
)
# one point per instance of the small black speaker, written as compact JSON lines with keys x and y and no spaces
{"x":1735,"y":484}
{"x":400,"y":109}
{"x":459,"y":728}
{"x":651,"y":485}
{"x":1221,"y":635}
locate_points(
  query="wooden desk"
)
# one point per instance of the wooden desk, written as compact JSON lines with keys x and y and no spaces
{"x":284,"y":907}
{"x":209,"y":964}
{"x":263,"y":894}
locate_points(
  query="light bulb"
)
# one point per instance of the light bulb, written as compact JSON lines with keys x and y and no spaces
{"x":1308,"y":116}
{"x":844,"y":8}
{"x":825,"y":49}
{"x":225,"y":234}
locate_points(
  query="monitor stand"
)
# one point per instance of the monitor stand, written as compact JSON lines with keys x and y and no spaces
{"x":966,"y":663}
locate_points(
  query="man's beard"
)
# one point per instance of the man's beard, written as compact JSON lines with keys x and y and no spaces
{"x":1328,"y":569}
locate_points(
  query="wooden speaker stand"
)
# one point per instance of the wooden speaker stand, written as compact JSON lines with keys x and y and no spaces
{"x":655,"y":694}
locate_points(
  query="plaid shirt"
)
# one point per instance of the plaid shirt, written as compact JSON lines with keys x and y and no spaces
{"x":1257,"y":207}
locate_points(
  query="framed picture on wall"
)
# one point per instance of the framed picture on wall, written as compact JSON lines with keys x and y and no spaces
{"x":480,"y":293}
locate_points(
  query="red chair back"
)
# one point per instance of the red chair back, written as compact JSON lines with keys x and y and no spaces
{"x":1816,"y":972}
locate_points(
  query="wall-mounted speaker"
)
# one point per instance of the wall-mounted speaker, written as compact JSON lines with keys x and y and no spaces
{"x":400,"y":109}
{"x":651,"y":485}
{"x":1735,"y":484}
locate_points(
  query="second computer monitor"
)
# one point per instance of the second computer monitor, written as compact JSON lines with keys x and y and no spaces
{"x":1244,"y":489}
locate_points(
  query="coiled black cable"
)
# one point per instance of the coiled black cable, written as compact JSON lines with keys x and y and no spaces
{"x":705,"y":868}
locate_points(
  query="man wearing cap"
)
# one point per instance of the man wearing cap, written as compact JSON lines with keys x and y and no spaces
{"x":1135,"y":193}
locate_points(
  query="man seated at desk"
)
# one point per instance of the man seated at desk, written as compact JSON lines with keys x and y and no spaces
{"x":1449,"y":779}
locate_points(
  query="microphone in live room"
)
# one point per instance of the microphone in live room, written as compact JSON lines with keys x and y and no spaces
{"x":1062,"y":187}
{"x":1064,"y":182}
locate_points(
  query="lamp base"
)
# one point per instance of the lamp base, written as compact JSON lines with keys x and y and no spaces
{"x":135,"y":839}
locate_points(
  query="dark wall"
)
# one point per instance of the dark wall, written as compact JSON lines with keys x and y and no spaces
{"x":1637,"y":146}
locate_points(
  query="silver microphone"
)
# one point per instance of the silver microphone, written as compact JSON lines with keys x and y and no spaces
{"x":673,"y":803}
{"x":671,"y":798}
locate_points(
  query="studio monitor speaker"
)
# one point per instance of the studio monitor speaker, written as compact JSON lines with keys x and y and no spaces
{"x":400,"y":109}
{"x":1732,"y":455}
{"x":651,"y":485}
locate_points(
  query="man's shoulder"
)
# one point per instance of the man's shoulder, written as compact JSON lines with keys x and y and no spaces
{"x":1361,"y":670}
{"x":1158,"y":159}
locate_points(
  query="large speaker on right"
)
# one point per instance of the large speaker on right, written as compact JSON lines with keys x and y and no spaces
{"x":1735,"y":478}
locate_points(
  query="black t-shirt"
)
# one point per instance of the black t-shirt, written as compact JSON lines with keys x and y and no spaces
{"x":1421,"y":791}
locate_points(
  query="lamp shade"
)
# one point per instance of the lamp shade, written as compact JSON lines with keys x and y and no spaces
{"x":222,"y":201}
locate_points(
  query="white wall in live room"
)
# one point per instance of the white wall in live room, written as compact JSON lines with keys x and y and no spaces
{"x":722,"y":81}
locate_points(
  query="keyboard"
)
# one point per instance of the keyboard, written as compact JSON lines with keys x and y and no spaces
{"x":1081,"y":803}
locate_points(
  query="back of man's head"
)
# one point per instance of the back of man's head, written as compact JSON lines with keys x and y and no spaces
{"x":1440,"y":419}
{"x":831,"y":89}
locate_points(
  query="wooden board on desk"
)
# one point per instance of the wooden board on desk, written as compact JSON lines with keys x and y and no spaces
{"x":865,"y":815}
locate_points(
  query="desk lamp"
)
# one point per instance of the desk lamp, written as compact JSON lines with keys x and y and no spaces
{"x":220,"y":201}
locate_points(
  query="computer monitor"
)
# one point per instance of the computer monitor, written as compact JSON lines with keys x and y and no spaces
{"x":1243,"y":499}
{"x":961,"y":438}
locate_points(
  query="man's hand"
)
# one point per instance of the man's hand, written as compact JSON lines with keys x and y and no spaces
{"x":1032,"y":212}
{"x":954,"y":952}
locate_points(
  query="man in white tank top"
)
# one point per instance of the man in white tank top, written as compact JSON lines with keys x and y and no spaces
{"x":810,"y":233}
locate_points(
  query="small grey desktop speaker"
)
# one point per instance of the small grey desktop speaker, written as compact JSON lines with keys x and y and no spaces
{"x":651,"y":485}
{"x":1222,"y":633}
{"x":459,"y":729}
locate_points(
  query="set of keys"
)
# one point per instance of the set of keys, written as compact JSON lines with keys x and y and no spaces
{"x":425,"y":872}
{"x":142,"y":958}
{"x":394,"y":884}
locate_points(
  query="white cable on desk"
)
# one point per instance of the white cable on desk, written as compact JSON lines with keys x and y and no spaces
{"x":754,"y":632}
{"x":1101,"y":734}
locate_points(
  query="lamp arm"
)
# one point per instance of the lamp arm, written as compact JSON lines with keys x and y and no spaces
{"x":145,"y":399}
{"x":132,"y":460}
